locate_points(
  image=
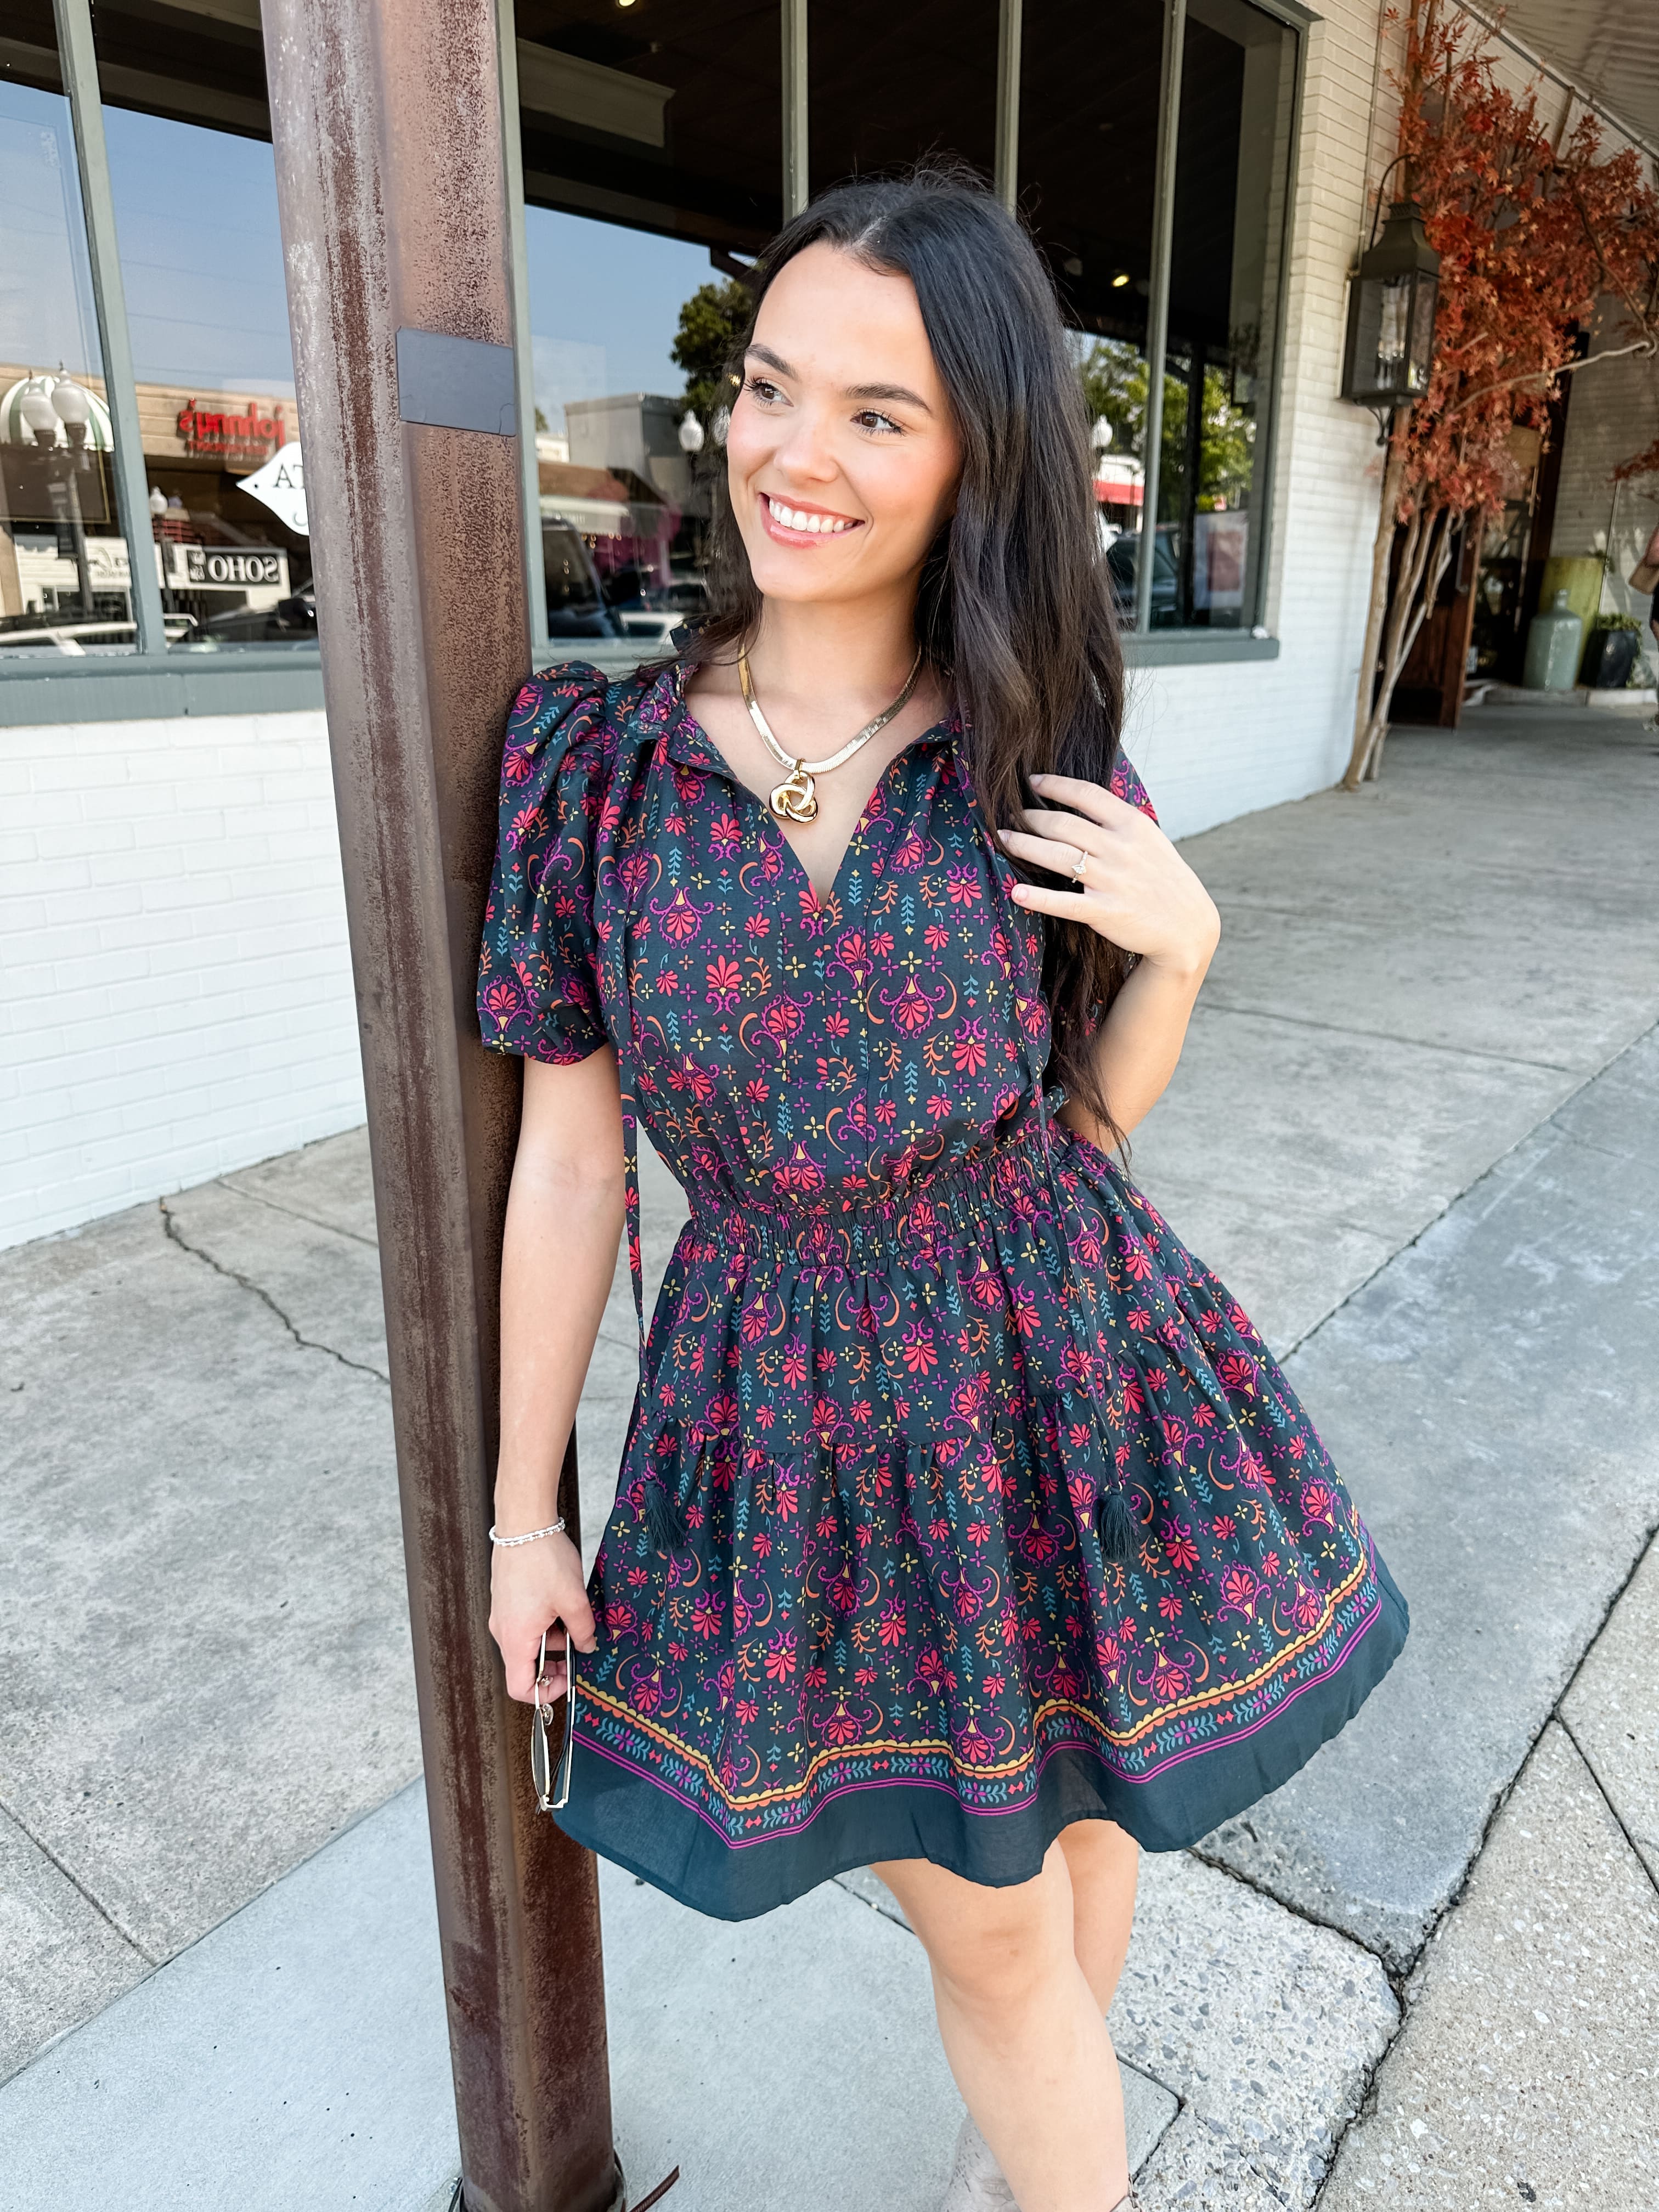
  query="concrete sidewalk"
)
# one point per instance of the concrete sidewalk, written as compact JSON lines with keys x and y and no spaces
{"x":1413,"y":1130}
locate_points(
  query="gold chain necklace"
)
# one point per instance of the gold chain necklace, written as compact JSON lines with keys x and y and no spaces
{"x":796,"y":798}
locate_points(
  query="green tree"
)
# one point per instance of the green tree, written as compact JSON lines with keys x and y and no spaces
{"x":712,"y":325}
{"x":1113,"y":374}
{"x":1226,"y":444}
{"x":1114,"y":377}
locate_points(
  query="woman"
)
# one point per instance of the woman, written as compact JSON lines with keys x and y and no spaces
{"x":965,"y":1526}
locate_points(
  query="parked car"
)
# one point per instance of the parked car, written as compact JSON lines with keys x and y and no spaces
{"x":1122,"y":565}
{"x":575,"y":599}
{"x":655,"y":611}
{"x":291,"y":620}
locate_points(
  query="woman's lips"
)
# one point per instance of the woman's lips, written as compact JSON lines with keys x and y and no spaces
{"x":803,"y":526}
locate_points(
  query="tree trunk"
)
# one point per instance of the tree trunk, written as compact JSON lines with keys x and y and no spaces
{"x":1425,"y":552}
{"x":1407,"y":568}
{"x":1394,"y":471}
{"x":1438,"y":544}
{"x":1434,"y":556}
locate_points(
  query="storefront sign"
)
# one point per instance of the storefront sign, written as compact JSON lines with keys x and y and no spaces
{"x":282,"y":485}
{"x":108,"y":570}
{"x":237,"y":440}
{"x":205,"y":564}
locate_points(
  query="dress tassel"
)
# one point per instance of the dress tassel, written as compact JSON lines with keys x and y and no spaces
{"x":1115,"y":1525}
{"x":665,"y":1516}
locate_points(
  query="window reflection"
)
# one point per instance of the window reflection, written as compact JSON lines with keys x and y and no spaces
{"x":629,"y":334}
{"x":208,"y":313}
{"x":1232,"y":173}
{"x":65,"y":577}
{"x":652,"y":157}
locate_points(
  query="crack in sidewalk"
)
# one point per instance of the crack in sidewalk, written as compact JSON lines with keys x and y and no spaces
{"x":76,"y":1883}
{"x":1607,"y":1797}
{"x":172,"y":1231}
{"x":296,"y":1213}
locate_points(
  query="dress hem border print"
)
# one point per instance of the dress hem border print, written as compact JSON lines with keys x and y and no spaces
{"x":689,"y":1857}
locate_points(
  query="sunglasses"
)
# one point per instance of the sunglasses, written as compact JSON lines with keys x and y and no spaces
{"x":547,"y":1773}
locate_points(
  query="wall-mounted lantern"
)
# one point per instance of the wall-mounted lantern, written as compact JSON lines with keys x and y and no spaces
{"x":1390,"y":349}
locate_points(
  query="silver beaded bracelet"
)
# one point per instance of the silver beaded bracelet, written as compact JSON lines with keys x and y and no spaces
{"x":553,"y":1529}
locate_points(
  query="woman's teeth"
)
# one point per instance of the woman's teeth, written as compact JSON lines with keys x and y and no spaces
{"x":792,"y":517}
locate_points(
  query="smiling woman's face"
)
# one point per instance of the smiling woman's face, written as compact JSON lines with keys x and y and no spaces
{"x":842,"y":458}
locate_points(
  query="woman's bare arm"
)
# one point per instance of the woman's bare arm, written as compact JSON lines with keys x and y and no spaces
{"x":1138,"y":1045}
{"x":1137,"y":892}
{"x":564,"y":1217}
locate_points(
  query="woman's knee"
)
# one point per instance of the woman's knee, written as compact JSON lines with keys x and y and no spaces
{"x":991,"y":1950}
{"x":1101,"y":1855}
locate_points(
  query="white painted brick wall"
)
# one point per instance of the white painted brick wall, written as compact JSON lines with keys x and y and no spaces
{"x":175,"y":990}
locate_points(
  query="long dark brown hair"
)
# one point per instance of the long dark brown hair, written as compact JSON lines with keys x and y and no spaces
{"x":1015,"y":609}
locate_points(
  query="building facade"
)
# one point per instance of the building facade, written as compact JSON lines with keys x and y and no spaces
{"x":1196,"y":172}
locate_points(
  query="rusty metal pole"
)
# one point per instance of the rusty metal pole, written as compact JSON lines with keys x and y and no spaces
{"x":387,"y":125}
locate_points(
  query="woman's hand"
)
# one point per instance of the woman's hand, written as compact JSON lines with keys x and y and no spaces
{"x":535,"y":1588}
{"x":1135,"y":889}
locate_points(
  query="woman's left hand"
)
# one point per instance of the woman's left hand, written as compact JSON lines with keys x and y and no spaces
{"x":1135,"y":890}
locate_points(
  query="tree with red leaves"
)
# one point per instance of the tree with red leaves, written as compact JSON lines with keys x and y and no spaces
{"x":1530,"y":235}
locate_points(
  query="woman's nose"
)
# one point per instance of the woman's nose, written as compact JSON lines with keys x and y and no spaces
{"x":807,"y":451}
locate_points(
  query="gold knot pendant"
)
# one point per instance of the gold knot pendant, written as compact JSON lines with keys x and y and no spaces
{"x":796,"y":799}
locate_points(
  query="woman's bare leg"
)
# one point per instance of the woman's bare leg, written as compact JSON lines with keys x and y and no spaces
{"x":1103,"y":1863}
{"x":1022,"y":2030}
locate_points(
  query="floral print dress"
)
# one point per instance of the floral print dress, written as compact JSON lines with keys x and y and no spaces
{"x":959,"y":1501}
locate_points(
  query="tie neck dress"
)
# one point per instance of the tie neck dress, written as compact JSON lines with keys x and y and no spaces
{"x":959,"y":1501}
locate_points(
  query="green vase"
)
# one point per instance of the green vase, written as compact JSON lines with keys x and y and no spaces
{"x":1554,"y":641}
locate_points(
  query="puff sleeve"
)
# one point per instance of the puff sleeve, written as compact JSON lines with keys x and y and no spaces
{"x":539,"y":992}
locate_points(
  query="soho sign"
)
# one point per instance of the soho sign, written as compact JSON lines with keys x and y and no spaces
{"x":206,"y":567}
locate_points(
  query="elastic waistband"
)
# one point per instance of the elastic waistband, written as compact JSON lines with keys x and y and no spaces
{"x":867,"y":1234}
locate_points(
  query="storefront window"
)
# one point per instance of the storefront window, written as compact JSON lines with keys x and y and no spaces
{"x":653,"y":159}
{"x":1088,"y":157}
{"x":1232,"y":166}
{"x":63,"y":573}
{"x":652,"y":156}
{"x":888,"y":84}
{"x":207,"y":311}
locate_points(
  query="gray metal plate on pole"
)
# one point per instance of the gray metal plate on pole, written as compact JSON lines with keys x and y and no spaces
{"x":391,"y":173}
{"x":457,"y":384}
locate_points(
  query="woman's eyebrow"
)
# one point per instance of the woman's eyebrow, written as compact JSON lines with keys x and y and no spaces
{"x":898,"y":394}
{"x":772,"y":360}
